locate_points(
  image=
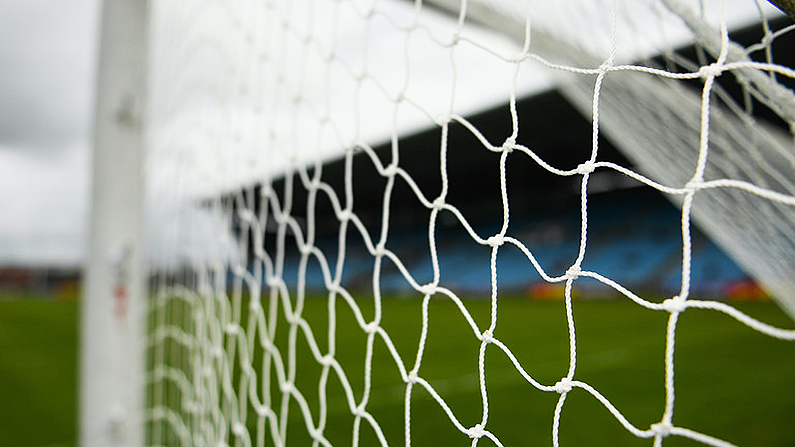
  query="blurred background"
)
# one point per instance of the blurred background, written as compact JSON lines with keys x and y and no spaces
{"x":47,"y":52}
{"x":47,"y":62}
{"x":47,"y":58}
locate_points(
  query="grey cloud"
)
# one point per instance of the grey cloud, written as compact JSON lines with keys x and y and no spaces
{"x":46,"y":71}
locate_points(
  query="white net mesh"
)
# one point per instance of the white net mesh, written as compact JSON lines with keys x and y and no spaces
{"x":334,"y":229}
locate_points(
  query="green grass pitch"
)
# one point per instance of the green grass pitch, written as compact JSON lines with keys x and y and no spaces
{"x":731,"y":381}
{"x":38,"y":351}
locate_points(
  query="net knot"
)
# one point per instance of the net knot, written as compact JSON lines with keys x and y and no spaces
{"x":476,"y":432}
{"x":254,"y":305}
{"x":487,"y":336}
{"x":326,"y":360}
{"x":496,"y":240}
{"x":359,"y":411}
{"x":266,"y":191}
{"x":508,"y":145}
{"x":573,"y":272}
{"x":246,"y":216}
{"x":305,"y":249}
{"x":239,"y":271}
{"x":238,"y":429}
{"x":371,"y":327}
{"x":390,"y":170}
{"x":438,"y":203}
{"x":712,"y":70}
{"x":693,"y":185}
{"x":314,"y":185}
{"x":586,"y":168}
{"x":455,"y":38}
{"x":344,"y":215}
{"x":316,"y":434}
{"x":380,"y":250}
{"x":192,"y":407}
{"x":674,"y":305}
{"x":287,"y":388}
{"x":261,"y":410}
{"x":564,"y":385}
{"x":412,"y":378}
{"x":441,"y":120}
{"x":767,"y":39}
{"x":428,"y":289}
{"x":662,"y":429}
{"x":259,"y":252}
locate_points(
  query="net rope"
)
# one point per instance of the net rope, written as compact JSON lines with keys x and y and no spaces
{"x":245,"y":95}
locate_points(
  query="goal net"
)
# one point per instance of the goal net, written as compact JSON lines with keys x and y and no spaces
{"x":343,"y":196}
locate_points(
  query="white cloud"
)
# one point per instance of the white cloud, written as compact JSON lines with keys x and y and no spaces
{"x":44,"y":198}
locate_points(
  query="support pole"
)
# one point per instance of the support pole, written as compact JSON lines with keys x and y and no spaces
{"x":112,"y":342}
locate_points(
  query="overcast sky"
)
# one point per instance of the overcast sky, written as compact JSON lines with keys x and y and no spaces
{"x":47,"y":60}
{"x":47,"y":53}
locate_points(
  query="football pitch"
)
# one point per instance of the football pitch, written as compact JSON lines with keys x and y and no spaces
{"x":731,"y":382}
{"x":38,"y":352}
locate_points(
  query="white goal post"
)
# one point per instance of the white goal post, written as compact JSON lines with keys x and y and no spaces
{"x":286,"y":192}
{"x":113,"y":306}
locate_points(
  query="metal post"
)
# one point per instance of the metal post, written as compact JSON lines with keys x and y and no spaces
{"x":112,"y":343}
